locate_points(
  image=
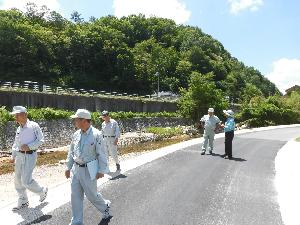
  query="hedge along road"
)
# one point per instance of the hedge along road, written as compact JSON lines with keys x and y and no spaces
{"x":187,"y":188}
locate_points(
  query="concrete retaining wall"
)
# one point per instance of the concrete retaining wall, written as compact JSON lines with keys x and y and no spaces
{"x":92,"y":103}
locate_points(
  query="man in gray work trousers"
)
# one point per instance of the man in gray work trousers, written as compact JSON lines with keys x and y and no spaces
{"x":29,"y":138}
{"x":111,"y":134}
{"x":87,"y":160}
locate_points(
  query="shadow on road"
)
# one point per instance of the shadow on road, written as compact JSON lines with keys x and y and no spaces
{"x":120,"y":176}
{"x":105,"y":221}
{"x":233,"y":158}
{"x":238,"y":159}
{"x":34,"y":215}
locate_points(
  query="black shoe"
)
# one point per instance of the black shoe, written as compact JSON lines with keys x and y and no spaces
{"x":20,"y":206}
{"x":118,"y":166}
{"x":203,"y":152}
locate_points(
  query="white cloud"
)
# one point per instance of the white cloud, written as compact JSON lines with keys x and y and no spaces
{"x":239,"y":5}
{"x":171,"y":9}
{"x":285,"y":74}
{"x":20,"y":4}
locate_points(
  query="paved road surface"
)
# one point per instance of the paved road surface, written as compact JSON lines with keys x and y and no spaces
{"x":187,"y":188}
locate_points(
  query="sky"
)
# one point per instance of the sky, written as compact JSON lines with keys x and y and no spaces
{"x":264,"y":34}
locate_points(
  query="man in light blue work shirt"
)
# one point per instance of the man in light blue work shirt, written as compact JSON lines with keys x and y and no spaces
{"x":229,"y":127}
{"x":210,"y":122}
{"x":29,"y":138}
{"x":86,"y":154}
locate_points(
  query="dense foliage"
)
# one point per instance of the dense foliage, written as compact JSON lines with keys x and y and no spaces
{"x":274,"y":110}
{"x":128,"y":54}
{"x":54,"y":114}
{"x":165,"y":132}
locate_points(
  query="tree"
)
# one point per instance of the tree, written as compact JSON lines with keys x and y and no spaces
{"x":76,"y":17}
{"x":200,"y":95}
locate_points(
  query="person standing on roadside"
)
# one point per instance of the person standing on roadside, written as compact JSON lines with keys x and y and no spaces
{"x":87,"y":160}
{"x":111,"y":134}
{"x":229,"y":127}
{"x":28,"y":139}
{"x":210,"y":123}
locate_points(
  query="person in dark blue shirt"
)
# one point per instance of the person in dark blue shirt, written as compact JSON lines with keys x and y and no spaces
{"x":229,"y":127}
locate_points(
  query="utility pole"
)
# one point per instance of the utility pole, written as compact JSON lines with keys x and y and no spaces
{"x":157,"y":74}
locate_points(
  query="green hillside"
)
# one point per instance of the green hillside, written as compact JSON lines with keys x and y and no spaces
{"x":114,"y":54}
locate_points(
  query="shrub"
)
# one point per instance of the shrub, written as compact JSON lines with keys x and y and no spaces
{"x":166,"y":132}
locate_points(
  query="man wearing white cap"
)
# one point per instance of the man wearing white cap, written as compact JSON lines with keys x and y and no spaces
{"x":87,"y":160}
{"x":229,"y":127}
{"x":111,"y":134}
{"x":28,"y":139}
{"x":210,"y":122}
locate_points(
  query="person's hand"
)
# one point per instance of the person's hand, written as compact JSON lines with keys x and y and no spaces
{"x":99,"y":175}
{"x":116,"y":141}
{"x":25,"y":148}
{"x":12,"y":160}
{"x":67,"y":174}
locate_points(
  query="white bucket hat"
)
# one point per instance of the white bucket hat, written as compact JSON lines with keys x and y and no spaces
{"x":18,"y":109}
{"x":229,"y":112}
{"x":211,"y":110}
{"x":82,"y":113}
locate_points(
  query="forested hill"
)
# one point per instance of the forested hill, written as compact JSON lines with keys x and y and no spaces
{"x":116,"y":54}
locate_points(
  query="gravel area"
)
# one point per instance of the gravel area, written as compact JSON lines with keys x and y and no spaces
{"x":53,"y":175}
{"x":46,"y":175}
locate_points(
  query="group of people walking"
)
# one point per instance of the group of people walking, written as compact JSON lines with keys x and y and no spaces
{"x":211,"y":124}
{"x":87,"y":158}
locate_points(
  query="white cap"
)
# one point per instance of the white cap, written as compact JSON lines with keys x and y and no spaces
{"x":18,"y":109}
{"x":82,"y":113}
{"x":228,"y":112}
{"x":211,"y":110}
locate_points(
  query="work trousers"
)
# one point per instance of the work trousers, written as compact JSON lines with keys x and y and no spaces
{"x":111,"y":148}
{"x":228,"y":143}
{"x":81,"y":184}
{"x":24,"y":165}
{"x":209,"y":136}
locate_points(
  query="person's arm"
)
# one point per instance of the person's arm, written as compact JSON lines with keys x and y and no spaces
{"x":101,"y":156}
{"x":202,"y":121}
{"x":70,"y":160}
{"x":117,"y":133}
{"x":39,"y":137}
{"x":15,"y":147}
{"x":218,"y":124}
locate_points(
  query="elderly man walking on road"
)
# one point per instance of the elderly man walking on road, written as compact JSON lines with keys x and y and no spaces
{"x":111,"y":134}
{"x":210,"y":122}
{"x":29,"y":138}
{"x":88,"y":161}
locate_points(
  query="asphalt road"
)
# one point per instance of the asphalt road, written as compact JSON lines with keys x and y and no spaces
{"x":186,"y":187}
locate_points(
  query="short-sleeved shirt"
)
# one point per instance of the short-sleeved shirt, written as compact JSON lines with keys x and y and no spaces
{"x":210,"y":122}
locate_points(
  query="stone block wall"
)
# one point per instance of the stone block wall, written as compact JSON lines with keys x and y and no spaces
{"x":58,"y":133}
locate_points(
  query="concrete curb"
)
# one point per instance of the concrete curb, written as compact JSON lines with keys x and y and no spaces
{"x":287,"y":182}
